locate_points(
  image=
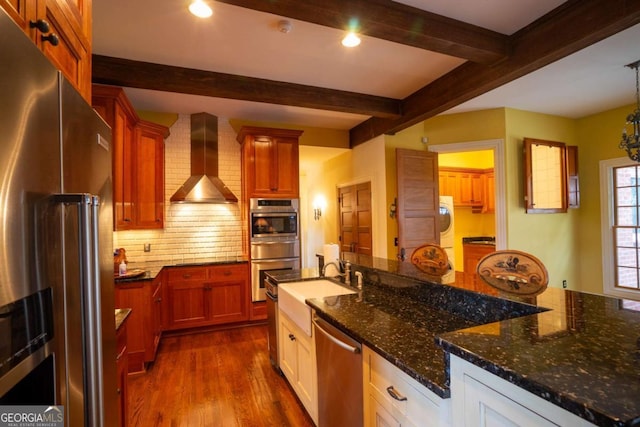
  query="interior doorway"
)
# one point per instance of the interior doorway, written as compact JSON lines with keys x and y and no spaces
{"x":497,"y":146}
{"x":356,"y":230}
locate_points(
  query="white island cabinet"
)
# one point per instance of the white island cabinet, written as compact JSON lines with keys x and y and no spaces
{"x":298,"y":362}
{"x":480,"y":398}
{"x":393,"y":398}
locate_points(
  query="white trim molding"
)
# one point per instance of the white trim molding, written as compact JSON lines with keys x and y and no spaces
{"x":607,"y":212}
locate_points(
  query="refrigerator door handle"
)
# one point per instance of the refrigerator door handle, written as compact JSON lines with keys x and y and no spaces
{"x":87,"y":206}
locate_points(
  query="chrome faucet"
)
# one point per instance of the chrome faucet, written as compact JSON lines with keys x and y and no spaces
{"x":359,"y":279}
{"x":346,"y":274}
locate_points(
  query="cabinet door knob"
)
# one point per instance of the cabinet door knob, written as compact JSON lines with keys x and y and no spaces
{"x":40,"y":24}
{"x":292,"y":337}
{"x":51,"y":38}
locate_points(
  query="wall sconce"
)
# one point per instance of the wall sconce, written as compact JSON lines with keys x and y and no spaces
{"x":319,"y":203}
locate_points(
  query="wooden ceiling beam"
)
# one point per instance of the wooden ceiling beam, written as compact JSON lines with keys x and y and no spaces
{"x":145,"y":75}
{"x":396,"y":22}
{"x":571,"y":27}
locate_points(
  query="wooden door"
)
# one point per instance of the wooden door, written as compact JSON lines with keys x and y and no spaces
{"x":356,"y":219}
{"x":418,"y":201}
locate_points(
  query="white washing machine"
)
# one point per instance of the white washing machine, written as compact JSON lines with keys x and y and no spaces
{"x":446,"y":222}
{"x":447,"y":236}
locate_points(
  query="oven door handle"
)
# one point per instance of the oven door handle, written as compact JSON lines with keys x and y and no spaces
{"x":254,"y":261}
{"x":279,"y":242}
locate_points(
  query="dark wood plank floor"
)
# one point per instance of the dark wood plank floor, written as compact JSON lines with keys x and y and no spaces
{"x":221,"y":378}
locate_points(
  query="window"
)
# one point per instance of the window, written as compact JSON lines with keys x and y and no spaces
{"x":620,"y":187}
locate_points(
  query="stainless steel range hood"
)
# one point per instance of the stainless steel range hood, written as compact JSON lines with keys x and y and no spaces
{"x":204,"y":186}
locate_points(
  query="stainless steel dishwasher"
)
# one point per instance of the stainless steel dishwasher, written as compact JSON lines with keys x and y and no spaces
{"x":339,"y":360}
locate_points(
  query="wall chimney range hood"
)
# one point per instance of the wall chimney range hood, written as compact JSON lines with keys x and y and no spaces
{"x":204,"y":186}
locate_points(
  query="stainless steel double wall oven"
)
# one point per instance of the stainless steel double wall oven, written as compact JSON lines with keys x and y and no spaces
{"x":275,"y":239}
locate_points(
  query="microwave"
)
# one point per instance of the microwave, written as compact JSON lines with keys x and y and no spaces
{"x":275,"y":219}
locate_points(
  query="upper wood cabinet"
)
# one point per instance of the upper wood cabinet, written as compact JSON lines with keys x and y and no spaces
{"x":148,"y":169}
{"x":62,"y":30}
{"x":138,"y":161}
{"x":270,"y":162}
{"x":469,"y":187}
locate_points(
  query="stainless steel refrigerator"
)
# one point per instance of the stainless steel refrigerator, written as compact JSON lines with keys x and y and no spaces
{"x":57,"y":323}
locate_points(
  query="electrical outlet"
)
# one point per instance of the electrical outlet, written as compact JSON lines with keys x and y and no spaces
{"x":147,"y":247}
{"x":564,"y":284}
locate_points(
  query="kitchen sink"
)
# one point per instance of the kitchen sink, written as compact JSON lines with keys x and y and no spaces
{"x":292,"y":296}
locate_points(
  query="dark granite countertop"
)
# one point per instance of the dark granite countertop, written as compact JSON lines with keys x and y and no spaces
{"x":582,"y":353}
{"x":121,"y":316}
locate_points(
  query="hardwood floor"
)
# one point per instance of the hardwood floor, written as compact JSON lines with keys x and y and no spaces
{"x":221,"y":378}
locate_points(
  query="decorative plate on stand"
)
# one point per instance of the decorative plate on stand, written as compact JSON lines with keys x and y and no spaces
{"x":431,"y":259}
{"x":513,"y":272}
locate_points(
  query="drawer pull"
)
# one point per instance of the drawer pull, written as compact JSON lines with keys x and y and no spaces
{"x":121,"y":354}
{"x":227,"y":272}
{"x":186,"y":276}
{"x":394,"y":393}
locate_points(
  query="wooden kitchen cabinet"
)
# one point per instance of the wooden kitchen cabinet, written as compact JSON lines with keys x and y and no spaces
{"x":270,"y":162}
{"x":143,"y":325}
{"x":489,"y":192}
{"x":469,"y":187}
{"x":148,"y":174}
{"x":206,"y":295}
{"x":156,"y":325}
{"x":229,"y":299}
{"x":471,"y":255}
{"x":122,"y":374}
{"x":138,"y":161}
{"x":185,"y":297}
{"x":68,"y":21}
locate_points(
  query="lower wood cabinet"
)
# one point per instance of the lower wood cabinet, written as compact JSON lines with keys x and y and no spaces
{"x":298,"y":362}
{"x":206,"y":295}
{"x":480,"y":398}
{"x":392,"y":398}
{"x":471,"y":255}
{"x":143,"y":324}
{"x":122,"y":373}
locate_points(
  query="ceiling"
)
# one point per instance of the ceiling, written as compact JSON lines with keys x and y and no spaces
{"x":385,"y":72}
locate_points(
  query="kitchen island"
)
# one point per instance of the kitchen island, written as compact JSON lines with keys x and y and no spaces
{"x":575,"y":350}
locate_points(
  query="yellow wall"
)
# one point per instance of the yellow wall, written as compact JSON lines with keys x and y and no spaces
{"x":550,"y":237}
{"x":472,"y":159}
{"x":597,"y":138}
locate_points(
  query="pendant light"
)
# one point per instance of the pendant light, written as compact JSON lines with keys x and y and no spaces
{"x":631,"y":142}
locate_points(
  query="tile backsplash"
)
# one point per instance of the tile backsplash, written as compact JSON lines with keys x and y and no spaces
{"x":192,"y":233}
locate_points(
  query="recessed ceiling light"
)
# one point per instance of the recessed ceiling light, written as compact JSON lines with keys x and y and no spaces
{"x":200,"y":9}
{"x":351,"y":40}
